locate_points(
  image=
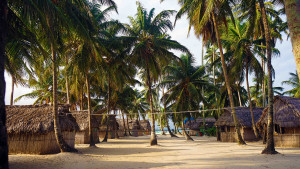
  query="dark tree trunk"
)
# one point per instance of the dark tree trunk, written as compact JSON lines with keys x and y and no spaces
{"x":187,"y":137}
{"x":108,"y":110}
{"x":67,"y":83}
{"x":125,"y":133}
{"x":81,"y":98}
{"x":115,"y":127}
{"x":270,"y":148}
{"x":153,"y":140}
{"x":12,"y":90}
{"x":92,"y":142}
{"x":3,"y":131}
{"x":250,"y":104}
{"x":128,"y":126}
{"x":237,"y":127}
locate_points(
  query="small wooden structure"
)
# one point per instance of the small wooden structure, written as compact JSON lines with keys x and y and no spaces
{"x":227,"y":128}
{"x":82,"y":119}
{"x":286,"y":121}
{"x":31,"y":129}
{"x":195,"y":125}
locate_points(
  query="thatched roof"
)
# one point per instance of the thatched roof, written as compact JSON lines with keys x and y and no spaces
{"x":145,"y":124}
{"x":286,"y":112}
{"x":196,"y":124}
{"x":82,"y":119}
{"x":37,"y":119}
{"x":243,"y":116}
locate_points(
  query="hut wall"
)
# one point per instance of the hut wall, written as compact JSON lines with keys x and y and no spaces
{"x":229,"y":135}
{"x":37,"y":143}
{"x":290,"y":138}
{"x":82,"y":137}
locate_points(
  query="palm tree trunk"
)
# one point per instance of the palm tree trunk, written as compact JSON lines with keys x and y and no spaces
{"x":125,"y":132}
{"x":115,"y":126}
{"x":250,"y":104}
{"x":153,"y":140}
{"x":108,"y":110}
{"x":64,"y":147}
{"x":293,"y":17}
{"x":264,"y":71}
{"x":81,"y":98}
{"x":3,"y":131}
{"x":270,"y":149}
{"x":12,"y":90}
{"x":187,"y":137}
{"x":214,"y":77}
{"x":67,"y":84}
{"x":237,"y":127}
{"x":92,"y":142}
{"x":127,"y":118}
{"x":239,"y":95}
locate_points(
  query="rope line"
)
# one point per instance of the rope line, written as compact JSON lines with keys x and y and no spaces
{"x":193,"y":111}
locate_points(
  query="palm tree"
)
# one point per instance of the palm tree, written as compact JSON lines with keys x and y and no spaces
{"x":294,"y":82}
{"x":210,"y":13}
{"x":3,"y":138}
{"x":236,"y":39}
{"x":293,"y":18}
{"x":184,"y":83}
{"x":150,"y":48}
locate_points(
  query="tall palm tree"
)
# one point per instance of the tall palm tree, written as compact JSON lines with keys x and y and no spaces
{"x":3,"y":138}
{"x":185,"y":82}
{"x":211,"y":12}
{"x":294,"y":82}
{"x":236,"y":39}
{"x":150,"y":48}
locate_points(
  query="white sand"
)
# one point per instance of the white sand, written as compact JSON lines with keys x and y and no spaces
{"x":135,"y":152}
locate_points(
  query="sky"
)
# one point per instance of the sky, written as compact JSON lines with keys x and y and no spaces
{"x":283,"y":64}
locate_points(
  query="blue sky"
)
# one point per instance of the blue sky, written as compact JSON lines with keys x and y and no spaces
{"x":283,"y":64}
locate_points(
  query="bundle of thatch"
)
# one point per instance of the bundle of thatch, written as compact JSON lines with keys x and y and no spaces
{"x":243,"y":117}
{"x":196,"y":124}
{"x":286,"y":112}
{"x":31,"y":128}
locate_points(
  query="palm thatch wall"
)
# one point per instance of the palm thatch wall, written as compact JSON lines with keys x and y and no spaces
{"x":286,"y":121}
{"x":195,"y":125}
{"x":82,"y":119}
{"x":136,"y":127}
{"x":31,"y":129}
{"x":226,"y":124}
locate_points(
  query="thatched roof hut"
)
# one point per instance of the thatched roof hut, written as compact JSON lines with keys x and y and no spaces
{"x":197,"y":123}
{"x":243,"y":116}
{"x":145,"y":125}
{"x":227,"y":126}
{"x":112,"y":127}
{"x":30,"y":128}
{"x":82,"y":119}
{"x":286,"y":112}
{"x":286,"y":121}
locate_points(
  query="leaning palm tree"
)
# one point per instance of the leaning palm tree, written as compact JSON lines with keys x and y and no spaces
{"x":151,"y":48}
{"x":293,"y":17}
{"x":212,"y":13}
{"x":294,"y":82}
{"x":185,"y":82}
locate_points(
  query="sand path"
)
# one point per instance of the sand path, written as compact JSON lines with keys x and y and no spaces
{"x":135,"y":152}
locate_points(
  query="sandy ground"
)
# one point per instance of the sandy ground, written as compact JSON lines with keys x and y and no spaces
{"x":135,"y":152}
